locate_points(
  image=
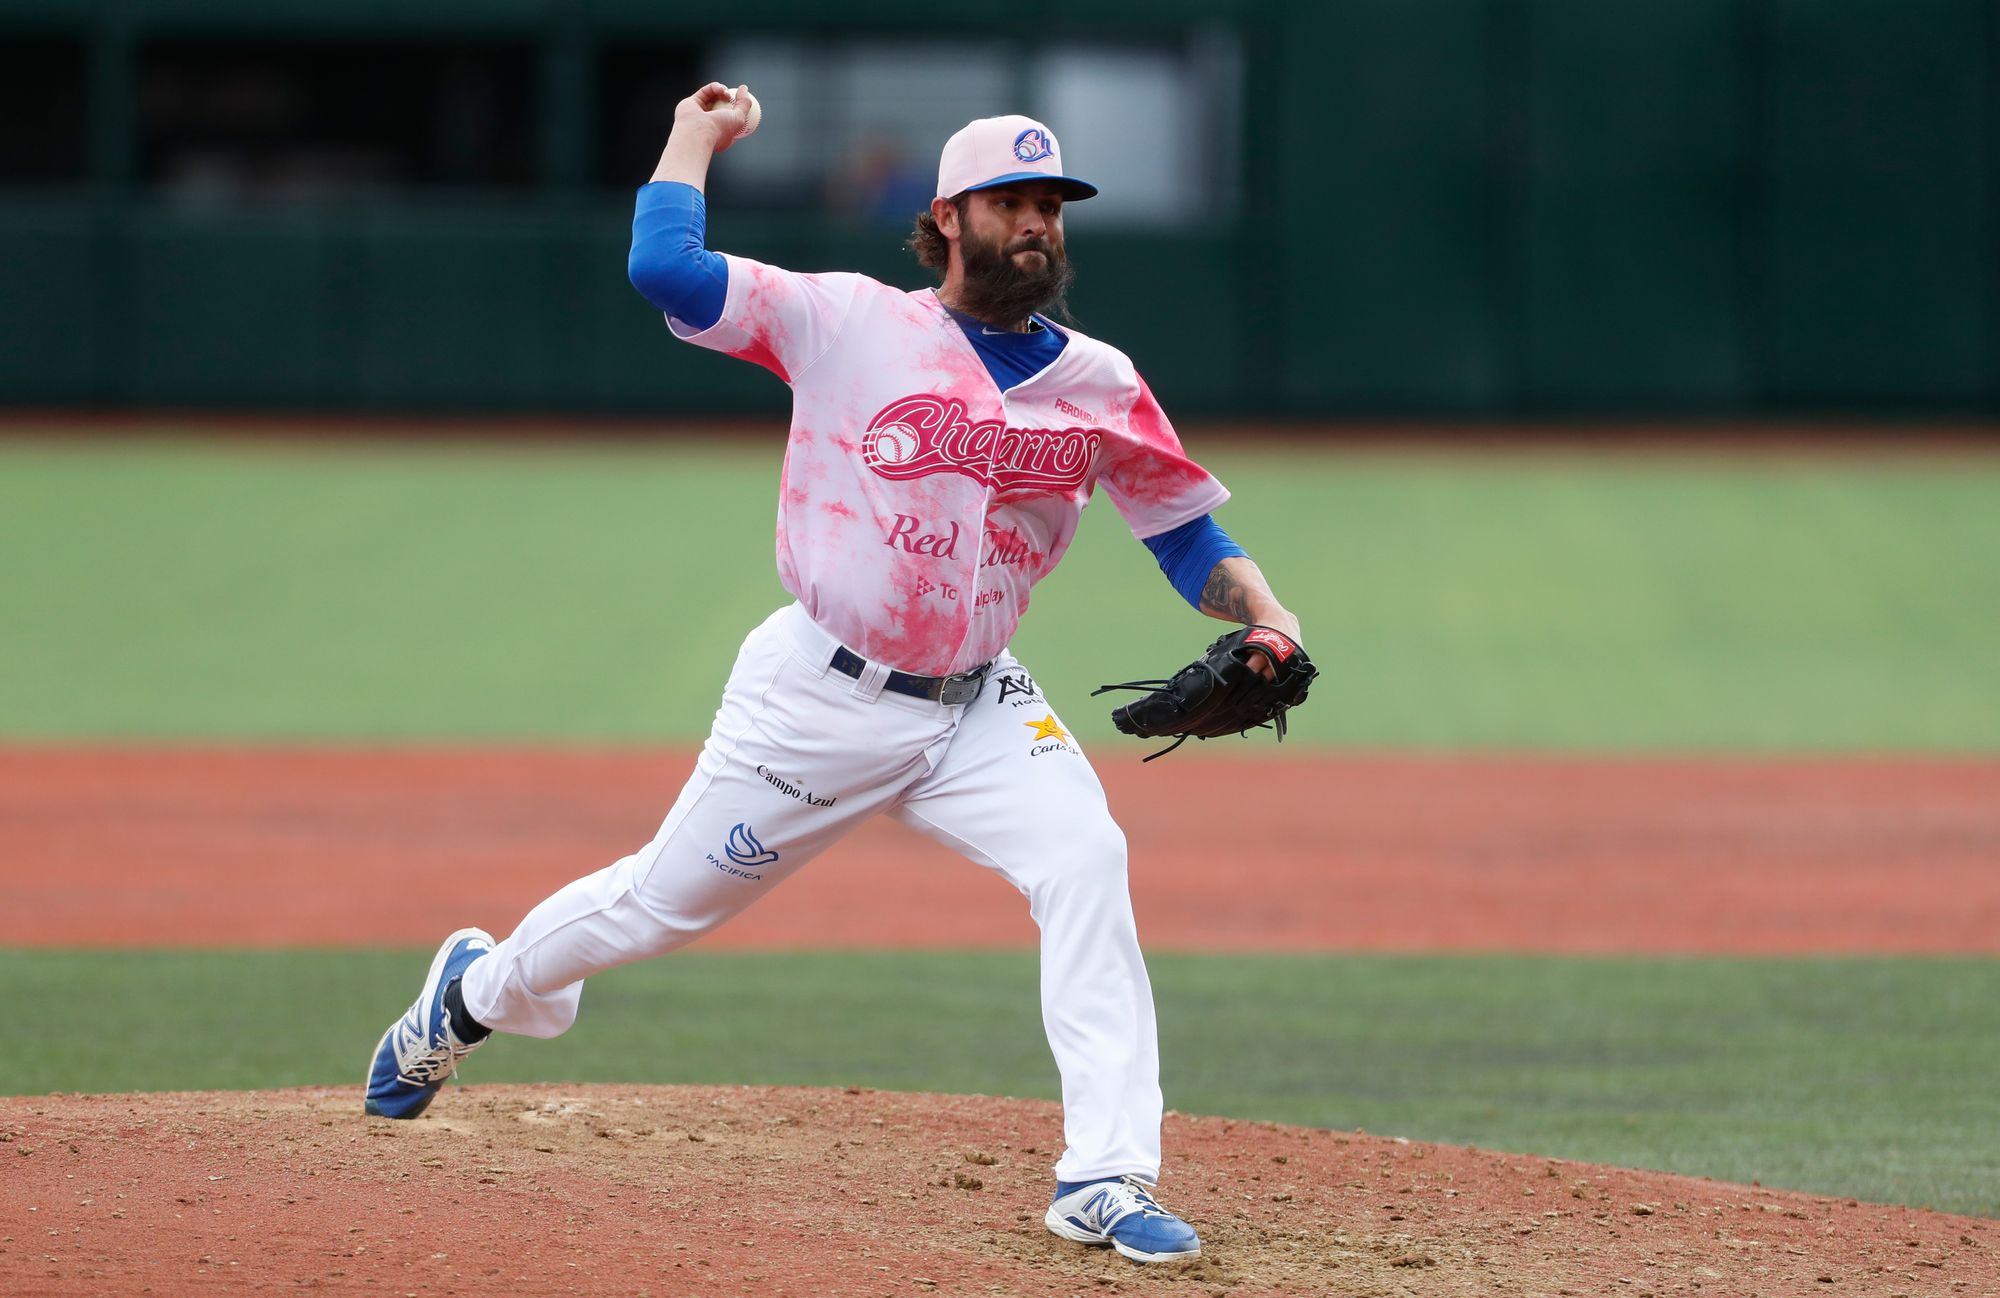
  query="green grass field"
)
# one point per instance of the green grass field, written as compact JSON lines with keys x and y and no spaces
{"x":1851,"y":1077}
{"x":180,"y":590}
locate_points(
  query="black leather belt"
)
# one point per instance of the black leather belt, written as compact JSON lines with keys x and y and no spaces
{"x":962,"y":688}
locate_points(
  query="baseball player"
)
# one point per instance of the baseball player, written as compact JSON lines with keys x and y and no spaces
{"x":943,"y":444}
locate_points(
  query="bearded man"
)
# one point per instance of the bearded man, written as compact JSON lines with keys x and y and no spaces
{"x":943,"y":444}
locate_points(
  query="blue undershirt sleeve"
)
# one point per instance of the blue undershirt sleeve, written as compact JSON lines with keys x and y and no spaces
{"x":1190,"y":552}
{"x":670,"y":263}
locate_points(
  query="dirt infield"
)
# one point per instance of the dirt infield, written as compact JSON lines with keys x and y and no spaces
{"x":704,"y":1190}
{"x":1280,"y":851}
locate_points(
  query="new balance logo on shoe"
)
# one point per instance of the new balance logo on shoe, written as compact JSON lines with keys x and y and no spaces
{"x":419,"y":1050}
{"x":1124,"y":1214}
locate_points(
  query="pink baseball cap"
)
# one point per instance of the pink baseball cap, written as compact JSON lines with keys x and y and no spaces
{"x":1002,"y":151}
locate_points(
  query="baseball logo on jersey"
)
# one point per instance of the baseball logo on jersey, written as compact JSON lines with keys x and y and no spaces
{"x":1033,"y":144}
{"x":917,"y":436}
{"x":891,"y":444}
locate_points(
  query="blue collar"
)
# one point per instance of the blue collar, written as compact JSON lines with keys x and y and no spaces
{"x":1012,"y":358}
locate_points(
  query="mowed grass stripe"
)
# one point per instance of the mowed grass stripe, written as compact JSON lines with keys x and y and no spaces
{"x":191,"y":590}
{"x":1869,"y":1078}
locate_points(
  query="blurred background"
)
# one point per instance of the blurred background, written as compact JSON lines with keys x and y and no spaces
{"x":1713,"y":285}
{"x":1410,"y":208}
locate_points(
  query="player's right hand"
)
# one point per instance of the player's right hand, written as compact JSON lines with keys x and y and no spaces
{"x":716,"y":110}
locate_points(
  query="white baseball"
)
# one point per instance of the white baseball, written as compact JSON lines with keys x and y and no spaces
{"x":756,"y":111}
{"x":894,"y":444}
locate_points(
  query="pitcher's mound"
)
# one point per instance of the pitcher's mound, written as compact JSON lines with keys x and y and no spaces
{"x":626,"y":1190}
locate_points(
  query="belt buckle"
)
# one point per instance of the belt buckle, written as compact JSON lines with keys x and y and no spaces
{"x":963,"y":688}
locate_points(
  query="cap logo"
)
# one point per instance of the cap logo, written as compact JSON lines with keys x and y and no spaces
{"x":1033,"y":144}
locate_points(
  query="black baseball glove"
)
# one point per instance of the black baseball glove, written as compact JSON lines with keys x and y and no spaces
{"x":1220,"y":693}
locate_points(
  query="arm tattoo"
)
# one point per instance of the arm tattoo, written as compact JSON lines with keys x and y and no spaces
{"x":1226,"y":597}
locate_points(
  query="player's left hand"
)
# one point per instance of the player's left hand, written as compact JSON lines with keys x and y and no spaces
{"x":1224,"y":692}
{"x":1261,"y":660}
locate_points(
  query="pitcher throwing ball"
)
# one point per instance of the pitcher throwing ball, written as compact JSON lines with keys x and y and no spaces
{"x":943,"y":444}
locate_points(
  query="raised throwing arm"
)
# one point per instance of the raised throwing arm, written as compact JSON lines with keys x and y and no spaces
{"x":670,"y":263}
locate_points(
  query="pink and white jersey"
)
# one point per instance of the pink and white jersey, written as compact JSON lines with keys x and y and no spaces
{"x":919,"y":502}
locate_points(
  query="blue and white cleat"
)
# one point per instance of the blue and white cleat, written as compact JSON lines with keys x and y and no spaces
{"x":420,"y":1050}
{"x":1123,"y":1213}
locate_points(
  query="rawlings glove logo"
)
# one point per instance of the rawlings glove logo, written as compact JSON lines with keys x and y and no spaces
{"x":1279,"y":647}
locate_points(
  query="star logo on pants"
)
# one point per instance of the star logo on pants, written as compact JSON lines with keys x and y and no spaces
{"x":1047,"y":728}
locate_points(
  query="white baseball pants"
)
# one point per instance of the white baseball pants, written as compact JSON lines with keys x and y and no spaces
{"x":800,"y":754}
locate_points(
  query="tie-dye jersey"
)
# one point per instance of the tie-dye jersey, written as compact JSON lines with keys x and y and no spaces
{"x":919,"y":503}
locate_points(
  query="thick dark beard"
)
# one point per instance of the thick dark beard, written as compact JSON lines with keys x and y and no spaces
{"x":997,"y":290}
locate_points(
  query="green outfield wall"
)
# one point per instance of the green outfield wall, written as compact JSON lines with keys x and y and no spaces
{"x":1449,"y":207}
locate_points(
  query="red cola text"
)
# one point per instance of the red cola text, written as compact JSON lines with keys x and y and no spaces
{"x":914,"y":536}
